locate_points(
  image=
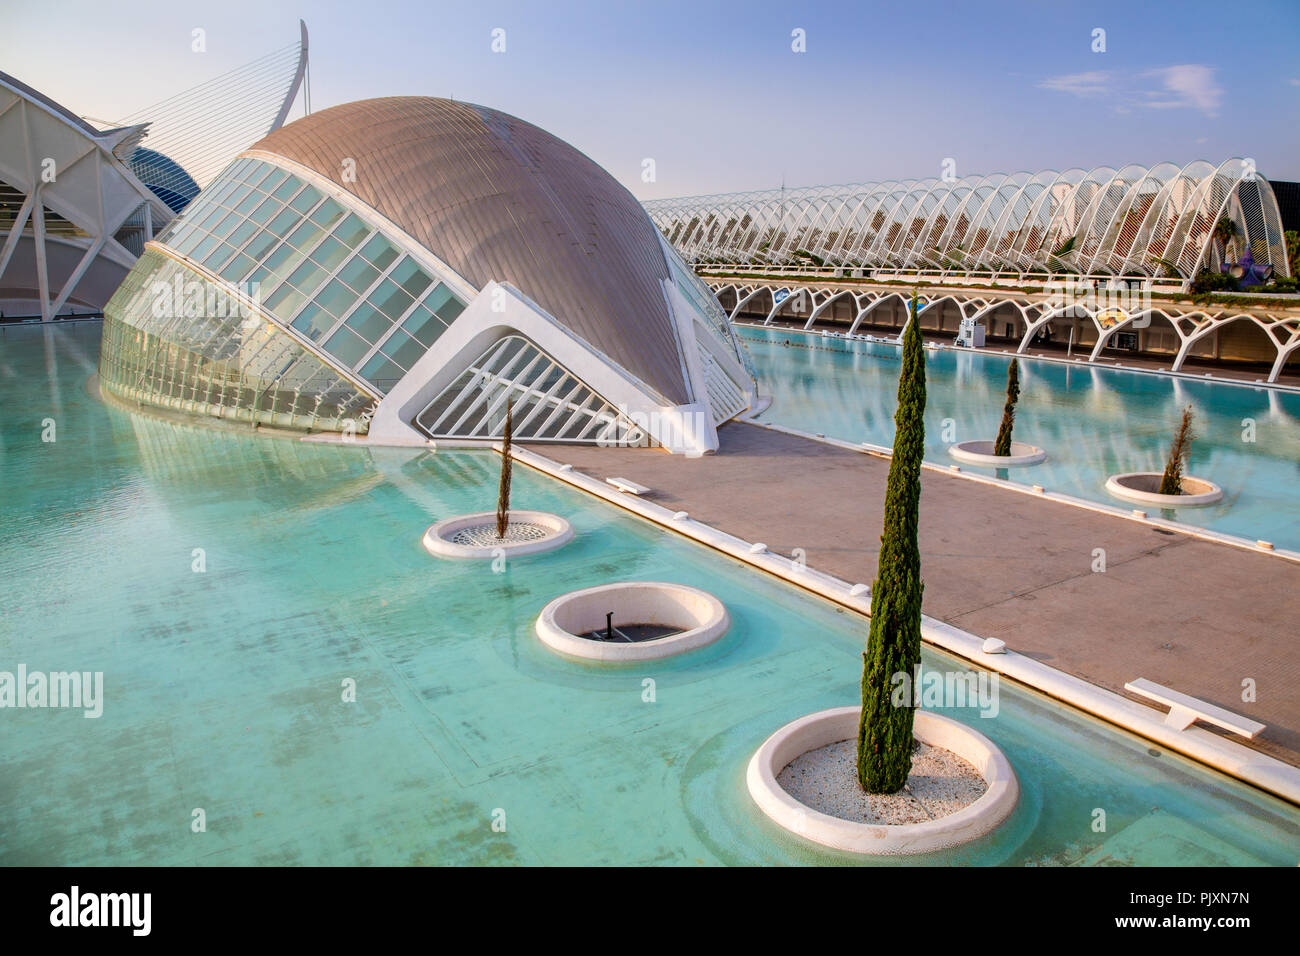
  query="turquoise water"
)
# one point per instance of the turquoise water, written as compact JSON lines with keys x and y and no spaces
{"x":1093,"y":422}
{"x":223,"y":688}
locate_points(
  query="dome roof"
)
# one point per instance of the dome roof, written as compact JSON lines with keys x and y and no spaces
{"x":497,"y":198}
{"x":165,"y":177}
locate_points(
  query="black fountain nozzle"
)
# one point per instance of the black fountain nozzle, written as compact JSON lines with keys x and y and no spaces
{"x":609,"y":625}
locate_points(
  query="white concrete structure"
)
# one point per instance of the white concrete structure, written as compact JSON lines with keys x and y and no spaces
{"x":70,"y":207}
{"x":1131,"y":221}
{"x":419,"y":263}
{"x":1181,"y":332}
{"x":1185,"y":710}
{"x":698,"y":618}
{"x":814,"y":731}
{"x":1143,"y":488}
{"x":79,"y":201}
{"x":474,"y":535}
{"x":981,"y":453}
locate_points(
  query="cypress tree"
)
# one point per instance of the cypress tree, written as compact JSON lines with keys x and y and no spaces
{"x":503,"y":489}
{"x":894,"y":644}
{"x":1003,"y":444}
{"x":1171,"y":482}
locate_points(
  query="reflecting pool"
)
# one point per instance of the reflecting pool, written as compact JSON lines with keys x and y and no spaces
{"x":1092,"y":421}
{"x":234,"y":588}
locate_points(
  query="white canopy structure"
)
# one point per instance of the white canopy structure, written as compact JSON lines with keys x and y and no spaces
{"x":79,"y":201}
{"x":1138,"y":221}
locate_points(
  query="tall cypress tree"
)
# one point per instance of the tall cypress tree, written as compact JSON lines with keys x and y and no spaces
{"x":1002,"y":446}
{"x":894,"y":644}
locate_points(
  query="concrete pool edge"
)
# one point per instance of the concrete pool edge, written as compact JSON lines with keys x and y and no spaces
{"x":1235,"y":760}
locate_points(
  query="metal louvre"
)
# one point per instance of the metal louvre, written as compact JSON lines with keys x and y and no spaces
{"x":549,"y":403}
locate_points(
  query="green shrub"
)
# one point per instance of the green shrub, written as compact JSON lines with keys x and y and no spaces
{"x":1209,"y":281}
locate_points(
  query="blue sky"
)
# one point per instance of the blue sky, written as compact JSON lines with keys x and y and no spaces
{"x":713,"y":92}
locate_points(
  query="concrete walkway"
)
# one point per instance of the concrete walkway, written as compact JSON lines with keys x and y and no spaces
{"x":1195,"y":615}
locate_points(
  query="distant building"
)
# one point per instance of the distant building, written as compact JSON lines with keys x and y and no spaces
{"x":78,"y":202}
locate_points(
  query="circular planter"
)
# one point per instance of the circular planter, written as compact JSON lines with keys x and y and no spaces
{"x":696,"y":617}
{"x":813,"y":731}
{"x":475,"y":536}
{"x":981,"y":453}
{"x":1141,"y":486}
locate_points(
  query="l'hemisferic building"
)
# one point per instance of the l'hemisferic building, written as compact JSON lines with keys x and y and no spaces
{"x":406,"y":267}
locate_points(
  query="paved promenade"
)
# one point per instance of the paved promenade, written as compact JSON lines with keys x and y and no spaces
{"x":1194,"y":615}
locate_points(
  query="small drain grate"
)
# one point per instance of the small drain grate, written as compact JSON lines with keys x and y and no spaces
{"x":485,"y":535}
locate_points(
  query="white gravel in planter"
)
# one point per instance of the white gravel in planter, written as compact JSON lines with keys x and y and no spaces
{"x":826,"y":780}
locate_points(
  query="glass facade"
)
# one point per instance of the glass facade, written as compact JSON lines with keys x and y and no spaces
{"x":318,"y":268}
{"x":175,"y":340}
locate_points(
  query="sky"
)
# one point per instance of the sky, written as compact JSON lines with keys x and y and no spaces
{"x":715,"y":92}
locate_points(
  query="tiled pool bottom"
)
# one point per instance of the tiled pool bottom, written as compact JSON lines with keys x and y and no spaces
{"x":1092,"y":421}
{"x":224,"y":688}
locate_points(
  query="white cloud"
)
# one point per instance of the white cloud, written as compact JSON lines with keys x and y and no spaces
{"x":1092,"y":83}
{"x":1184,"y":86}
{"x":1188,"y":85}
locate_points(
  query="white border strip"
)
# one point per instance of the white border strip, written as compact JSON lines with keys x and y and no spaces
{"x":1258,"y":769}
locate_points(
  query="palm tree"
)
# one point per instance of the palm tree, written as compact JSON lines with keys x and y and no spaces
{"x":503,"y":488}
{"x":1225,"y":231}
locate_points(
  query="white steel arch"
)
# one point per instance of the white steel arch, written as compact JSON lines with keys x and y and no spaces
{"x":1155,"y":221}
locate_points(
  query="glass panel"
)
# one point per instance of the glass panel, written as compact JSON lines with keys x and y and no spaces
{"x":305,"y":199}
{"x":258,"y":246}
{"x":218,"y":256}
{"x":249,"y":202}
{"x":314,"y":323}
{"x":368,"y":323}
{"x":237,"y":268}
{"x":305,"y":235}
{"x":275,"y":179}
{"x":285,"y":221}
{"x":408,"y":275}
{"x":330,"y":253}
{"x":423,"y":325}
{"x":346,"y":347}
{"x":336,"y":297}
{"x":403,"y":349}
{"x":286,"y":189}
{"x":225,"y":224}
{"x":450,"y":309}
{"x":352,"y":231}
{"x":327,"y":214}
{"x":307,"y":276}
{"x":379,"y":251}
{"x":240,"y":235}
{"x":381,"y":372}
{"x":203,"y":248}
{"x":264,"y":212}
{"x":391,"y":300}
{"x":359,"y":274}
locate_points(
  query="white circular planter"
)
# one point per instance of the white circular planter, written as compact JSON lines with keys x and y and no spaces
{"x":697,"y":616}
{"x":825,"y":727}
{"x":1141,"y":486}
{"x":981,"y":453}
{"x":475,"y":536}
